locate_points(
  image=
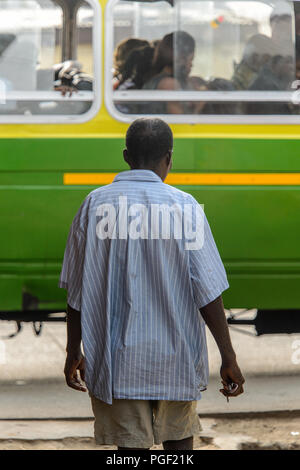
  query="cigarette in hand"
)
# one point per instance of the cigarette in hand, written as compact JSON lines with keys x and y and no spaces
{"x":231,"y":388}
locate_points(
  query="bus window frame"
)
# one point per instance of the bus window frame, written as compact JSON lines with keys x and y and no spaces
{"x":95,"y":96}
{"x":110,"y":95}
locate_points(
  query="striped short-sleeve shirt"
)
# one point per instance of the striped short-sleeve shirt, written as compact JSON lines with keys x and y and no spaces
{"x":134,"y":271}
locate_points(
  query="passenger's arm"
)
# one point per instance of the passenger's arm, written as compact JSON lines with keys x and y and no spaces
{"x":65,"y":90}
{"x":74,"y":360}
{"x":169,"y":83}
{"x":198,"y":84}
{"x":214,"y":316}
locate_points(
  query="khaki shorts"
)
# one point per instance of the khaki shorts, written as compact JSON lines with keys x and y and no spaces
{"x":137,"y":423}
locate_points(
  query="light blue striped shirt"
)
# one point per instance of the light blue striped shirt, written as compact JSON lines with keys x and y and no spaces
{"x":139,"y":294}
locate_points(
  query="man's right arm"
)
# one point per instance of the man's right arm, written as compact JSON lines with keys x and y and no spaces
{"x":74,"y":360}
{"x":214,"y":316}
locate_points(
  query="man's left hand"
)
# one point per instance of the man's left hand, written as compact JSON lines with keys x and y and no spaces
{"x":231,"y":375}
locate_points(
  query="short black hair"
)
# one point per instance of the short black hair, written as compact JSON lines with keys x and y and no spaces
{"x":148,"y":140}
{"x":179,"y":42}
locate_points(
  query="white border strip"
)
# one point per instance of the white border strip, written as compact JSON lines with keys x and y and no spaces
{"x":111,"y":96}
{"x":42,"y":96}
{"x":219,"y":96}
{"x":49,"y":96}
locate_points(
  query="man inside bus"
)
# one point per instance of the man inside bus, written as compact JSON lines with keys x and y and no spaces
{"x":134,"y":301}
{"x":257,"y":52}
{"x":276,"y":75}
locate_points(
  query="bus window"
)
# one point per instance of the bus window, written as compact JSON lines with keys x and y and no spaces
{"x":47,"y":60}
{"x":203,"y":61}
{"x":84,"y":38}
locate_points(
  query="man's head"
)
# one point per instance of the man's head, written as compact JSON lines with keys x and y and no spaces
{"x":258,"y":51}
{"x":175,"y":50}
{"x":149,"y":146}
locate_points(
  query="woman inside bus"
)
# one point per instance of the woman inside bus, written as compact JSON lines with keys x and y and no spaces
{"x":122,"y":52}
{"x":135,"y":73}
{"x":171,"y":68}
{"x":137,"y":68}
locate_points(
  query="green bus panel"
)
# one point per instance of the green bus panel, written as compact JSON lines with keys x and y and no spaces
{"x":256,"y":228}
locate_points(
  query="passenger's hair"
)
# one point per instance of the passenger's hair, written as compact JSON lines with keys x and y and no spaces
{"x":180,"y":41}
{"x":138,"y":66}
{"x":148,"y":140}
{"x":155,"y":43}
{"x":281,"y":10}
{"x":218,"y":84}
{"x":259,"y":44}
{"x":276,"y":59}
{"x":123,"y":50}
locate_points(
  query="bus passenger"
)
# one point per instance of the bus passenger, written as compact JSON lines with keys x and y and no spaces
{"x":137,"y":68}
{"x":69,"y":78}
{"x":257,"y":52}
{"x":276,"y":75}
{"x":122,"y":51}
{"x":135,"y":73}
{"x":170,"y":74}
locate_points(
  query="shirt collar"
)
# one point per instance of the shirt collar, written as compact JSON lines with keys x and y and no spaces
{"x":138,"y":175}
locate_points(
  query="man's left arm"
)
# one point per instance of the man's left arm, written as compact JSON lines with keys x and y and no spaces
{"x":214,"y":316}
{"x":74,"y":360}
{"x":209,"y":280}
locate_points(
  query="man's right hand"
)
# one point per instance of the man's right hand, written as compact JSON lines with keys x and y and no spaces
{"x":75,"y":363}
{"x":231,"y":374}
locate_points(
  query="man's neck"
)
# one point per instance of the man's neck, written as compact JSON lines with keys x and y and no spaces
{"x":157,"y":171}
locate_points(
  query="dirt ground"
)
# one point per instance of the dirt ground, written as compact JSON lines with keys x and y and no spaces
{"x":275,"y":432}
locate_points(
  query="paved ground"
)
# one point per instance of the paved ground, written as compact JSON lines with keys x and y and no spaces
{"x":28,"y":357}
{"x":32,"y":382}
{"x":38,"y":411}
{"x":44,"y":399}
{"x":271,"y":432}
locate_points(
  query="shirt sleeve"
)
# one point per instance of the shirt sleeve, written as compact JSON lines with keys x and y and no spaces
{"x":73,"y":263}
{"x":207,"y":271}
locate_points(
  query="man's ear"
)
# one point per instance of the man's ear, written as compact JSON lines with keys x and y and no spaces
{"x":169,"y":160}
{"x":126,"y":156}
